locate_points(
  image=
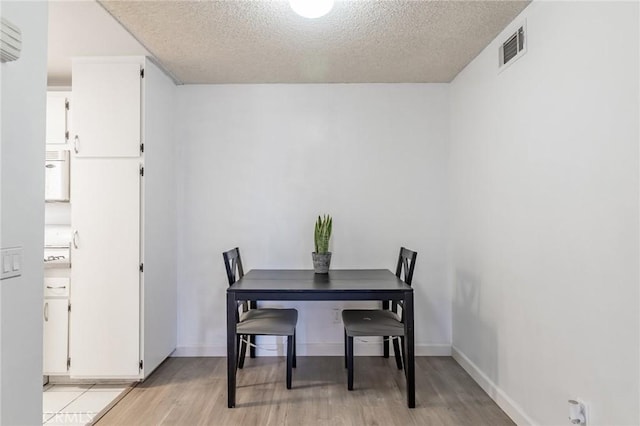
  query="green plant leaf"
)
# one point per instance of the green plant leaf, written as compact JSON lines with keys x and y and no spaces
{"x":322,"y":233}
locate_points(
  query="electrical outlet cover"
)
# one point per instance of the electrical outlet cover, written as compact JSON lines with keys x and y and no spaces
{"x":11,"y":262}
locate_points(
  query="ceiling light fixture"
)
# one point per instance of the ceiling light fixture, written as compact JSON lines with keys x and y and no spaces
{"x":311,"y":8}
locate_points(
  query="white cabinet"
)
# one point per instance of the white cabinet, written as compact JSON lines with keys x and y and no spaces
{"x":55,"y":315}
{"x":123,"y":309}
{"x":106,"y":108}
{"x":57,"y":117}
{"x":106,"y":268}
{"x":55,"y":333}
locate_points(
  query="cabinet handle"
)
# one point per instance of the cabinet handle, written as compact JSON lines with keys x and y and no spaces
{"x":57,"y":287}
{"x":75,"y":239}
{"x":76,"y":139}
{"x":50,"y":166}
{"x":46,"y":311}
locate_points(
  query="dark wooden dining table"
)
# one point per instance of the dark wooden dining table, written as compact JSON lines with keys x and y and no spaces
{"x":339,"y":284}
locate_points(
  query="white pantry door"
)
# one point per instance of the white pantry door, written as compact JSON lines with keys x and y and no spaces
{"x":106,"y":109}
{"x":105,"y":260}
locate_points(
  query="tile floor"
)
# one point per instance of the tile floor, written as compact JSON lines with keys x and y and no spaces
{"x":76,"y":404}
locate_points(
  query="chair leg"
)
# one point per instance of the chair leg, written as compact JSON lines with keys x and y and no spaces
{"x":243,"y":351}
{"x":404,"y":355}
{"x":396,"y":351}
{"x":385,"y":346}
{"x":238,"y":337}
{"x":289,"y":360}
{"x":346,"y":353}
{"x":252,"y":349}
{"x":385,"y":342}
{"x":350,"y":362}
{"x":294,"y":349}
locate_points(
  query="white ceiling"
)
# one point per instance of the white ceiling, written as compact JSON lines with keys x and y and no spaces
{"x":263,"y":41}
{"x":83,"y":28}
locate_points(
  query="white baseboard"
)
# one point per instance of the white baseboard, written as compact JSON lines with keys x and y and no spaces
{"x":507,"y":404}
{"x":313,"y":349}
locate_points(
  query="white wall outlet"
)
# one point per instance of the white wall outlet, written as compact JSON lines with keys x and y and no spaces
{"x":336,"y":316}
{"x":11,"y":262}
{"x":577,"y":412}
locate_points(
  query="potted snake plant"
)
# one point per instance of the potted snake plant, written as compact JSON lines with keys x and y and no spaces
{"x":322,"y":255}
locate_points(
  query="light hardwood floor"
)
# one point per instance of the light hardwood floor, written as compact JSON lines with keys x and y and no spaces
{"x":193,"y":391}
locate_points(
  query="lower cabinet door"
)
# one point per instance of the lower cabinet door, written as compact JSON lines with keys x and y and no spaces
{"x":55,"y":314}
{"x":104,"y":339}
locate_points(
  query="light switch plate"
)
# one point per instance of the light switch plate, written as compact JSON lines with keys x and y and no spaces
{"x":11,"y":262}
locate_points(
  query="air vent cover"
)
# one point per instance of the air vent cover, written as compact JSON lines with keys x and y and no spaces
{"x":10,"y":41}
{"x":513,"y":47}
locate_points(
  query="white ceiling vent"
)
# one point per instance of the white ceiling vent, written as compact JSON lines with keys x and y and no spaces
{"x":10,"y":41}
{"x":514,"y":47}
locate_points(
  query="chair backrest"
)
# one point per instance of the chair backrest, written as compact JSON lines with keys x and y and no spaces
{"x":406,"y":264}
{"x":233,"y":265}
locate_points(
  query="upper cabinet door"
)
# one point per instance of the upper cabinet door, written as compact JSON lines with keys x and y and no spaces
{"x":106,"y":109}
{"x":57,"y":117}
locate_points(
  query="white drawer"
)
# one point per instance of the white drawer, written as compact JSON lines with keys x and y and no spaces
{"x":56,"y":287}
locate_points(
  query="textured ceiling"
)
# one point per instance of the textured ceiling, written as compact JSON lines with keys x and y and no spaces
{"x":357,"y":42}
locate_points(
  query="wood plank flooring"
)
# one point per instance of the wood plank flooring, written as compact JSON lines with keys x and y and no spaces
{"x":193,"y":391}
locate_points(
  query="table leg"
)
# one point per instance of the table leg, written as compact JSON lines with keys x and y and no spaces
{"x":409,"y":349}
{"x":385,"y":341}
{"x":231,"y":349}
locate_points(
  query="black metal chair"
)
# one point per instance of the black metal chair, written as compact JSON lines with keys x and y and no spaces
{"x":384,"y":322}
{"x":251,"y":321}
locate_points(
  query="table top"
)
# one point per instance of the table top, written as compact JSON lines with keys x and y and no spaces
{"x":306,"y":281}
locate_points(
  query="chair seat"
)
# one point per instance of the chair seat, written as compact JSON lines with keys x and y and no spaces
{"x":266,"y":321}
{"x":371,"y":322}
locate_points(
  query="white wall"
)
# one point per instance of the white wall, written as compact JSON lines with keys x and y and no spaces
{"x":544,"y":167}
{"x":160,"y":224}
{"x":258,"y":163}
{"x":24,"y":85}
